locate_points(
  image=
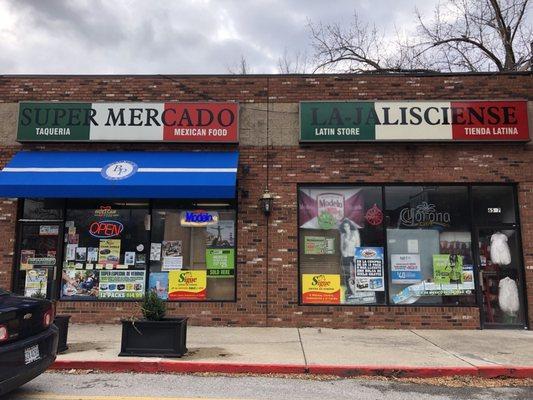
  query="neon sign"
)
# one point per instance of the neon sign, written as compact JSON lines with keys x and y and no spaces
{"x":198,"y":218}
{"x":105,"y":229}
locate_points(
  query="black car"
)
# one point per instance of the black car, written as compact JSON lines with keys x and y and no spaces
{"x":28,"y":339}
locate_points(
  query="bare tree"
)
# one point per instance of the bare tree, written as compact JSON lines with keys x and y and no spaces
{"x":242,"y":68}
{"x":463,"y":35}
{"x":478,"y":35}
{"x":293,"y":63}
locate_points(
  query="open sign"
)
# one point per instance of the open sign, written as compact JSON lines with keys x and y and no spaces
{"x":105,"y":229}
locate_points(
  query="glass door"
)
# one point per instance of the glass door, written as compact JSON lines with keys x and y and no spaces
{"x":37,"y":259}
{"x":500,"y":278}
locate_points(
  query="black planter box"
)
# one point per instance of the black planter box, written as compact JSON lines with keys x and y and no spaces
{"x":61,"y":321}
{"x":165,"y":338}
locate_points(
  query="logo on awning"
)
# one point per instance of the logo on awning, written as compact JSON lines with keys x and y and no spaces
{"x":119,"y":170}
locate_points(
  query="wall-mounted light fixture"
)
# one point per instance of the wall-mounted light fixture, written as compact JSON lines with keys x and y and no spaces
{"x":266,"y":201}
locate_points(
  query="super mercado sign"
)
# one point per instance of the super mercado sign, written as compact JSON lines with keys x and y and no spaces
{"x":116,"y":122}
{"x":414,"y":121}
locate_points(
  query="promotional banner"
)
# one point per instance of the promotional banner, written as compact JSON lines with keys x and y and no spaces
{"x":220,"y":263}
{"x":79,"y":284}
{"x":222,"y":234}
{"x":447,"y":268}
{"x":119,"y":122}
{"x":405,"y":268}
{"x":122,"y":284}
{"x":321,"y":288}
{"x":320,"y":208}
{"x":369,"y":269}
{"x":187,"y":285}
{"x":337,"y":121}
{"x":36,"y":282}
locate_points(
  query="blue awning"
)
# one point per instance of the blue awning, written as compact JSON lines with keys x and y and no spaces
{"x":156,"y":175}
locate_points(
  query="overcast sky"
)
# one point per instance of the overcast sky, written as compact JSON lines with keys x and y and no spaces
{"x":174,"y":37}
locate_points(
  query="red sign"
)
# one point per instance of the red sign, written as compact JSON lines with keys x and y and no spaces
{"x":490,"y":120}
{"x":201,"y":122}
{"x":105,"y":229}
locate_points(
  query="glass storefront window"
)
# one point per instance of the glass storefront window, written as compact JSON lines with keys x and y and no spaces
{"x":105,"y":250}
{"x":193,"y":253}
{"x":341,"y":245}
{"x":43,"y":209}
{"x":494,"y":205}
{"x":429,"y":245}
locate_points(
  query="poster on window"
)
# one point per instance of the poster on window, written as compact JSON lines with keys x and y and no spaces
{"x":171,"y":248}
{"x":368,"y":269}
{"x":25,"y":255}
{"x":447,"y":268}
{"x":405,"y":269}
{"x":158,"y":283}
{"x":321,"y":208}
{"x":220,"y":263}
{"x":121,"y":284}
{"x":221,"y":234}
{"x":321,"y":288}
{"x":170,"y":263}
{"x":92,"y":254}
{"x":187,"y":285}
{"x":36,"y":282}
{"x":109,"y":251}
{"x":155,"y":252}
{"x":79,"y":284}
{"x":48,"y":230}
{"x":319,"y":245}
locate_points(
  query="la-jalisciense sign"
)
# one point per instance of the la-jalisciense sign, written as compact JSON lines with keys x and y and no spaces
{"x":414,"y":121}
{"x":116,"y":122}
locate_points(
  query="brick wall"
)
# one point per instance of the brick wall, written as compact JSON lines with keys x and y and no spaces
{"x":267,"y":272}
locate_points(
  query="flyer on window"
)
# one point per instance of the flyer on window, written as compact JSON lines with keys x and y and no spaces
{"x":170,"y":263}
{"x":187,"y":285}
{"x":80,"y":254}
{"x":25,"y":255}
{"x":155,"y":252}
{"x":321,"y":288}
{"x":405,"y":269}
{"x":447,"y":268}
{"x":221,"y":234}
{"x":171,"y":248}
{"x":36,"y":282}
{"x":368,"y":269}
{"x":220,"y":263}
{"x":319,"y":245}
{"x":158,"y":282}
{"x":79,"y":284}
{"x":92,"y":254}
{"x":109,"y":251}
{"x":122,"y":284}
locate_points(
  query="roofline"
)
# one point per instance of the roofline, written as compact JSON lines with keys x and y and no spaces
{"x":227,"y":76}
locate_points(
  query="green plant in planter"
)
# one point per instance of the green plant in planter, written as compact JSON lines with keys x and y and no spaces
{"x":152,"y":307}
{"x":38,"y":295}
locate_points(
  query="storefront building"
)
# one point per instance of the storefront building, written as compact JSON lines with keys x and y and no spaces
{"x":355,"y":201}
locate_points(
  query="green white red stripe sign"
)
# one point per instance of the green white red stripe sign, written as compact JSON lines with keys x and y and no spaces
{"x":414,"y":121}
{"x":135,"y":122}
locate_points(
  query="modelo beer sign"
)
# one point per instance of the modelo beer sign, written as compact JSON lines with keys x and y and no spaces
{"x":105,"y":229}
{"x":117,"y":122}
{"x":414,"y":121}
{"x":198,"y":218}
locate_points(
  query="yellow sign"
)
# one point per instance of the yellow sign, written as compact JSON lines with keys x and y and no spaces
{"x":109,"y":251}
{"x":187,"y":285}
{"x":321,"y":289}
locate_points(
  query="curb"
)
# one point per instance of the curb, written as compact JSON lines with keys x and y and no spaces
{"x":167,"y":366}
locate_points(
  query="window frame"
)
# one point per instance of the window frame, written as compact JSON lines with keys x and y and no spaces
{"x":383,"y":185}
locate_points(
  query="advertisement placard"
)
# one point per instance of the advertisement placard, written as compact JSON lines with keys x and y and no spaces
{"x":36,"y":282}
{"x":220,"y":263}
{"x":405,"y":268}
{"x":321,"y":288}
{"x":368,"y":265}
{"x":187,"y":285}
{"x":122,"y":284}
{"x":319,"y":245}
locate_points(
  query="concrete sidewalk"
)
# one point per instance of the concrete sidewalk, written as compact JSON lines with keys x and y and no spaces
{"x":308,"y":349}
